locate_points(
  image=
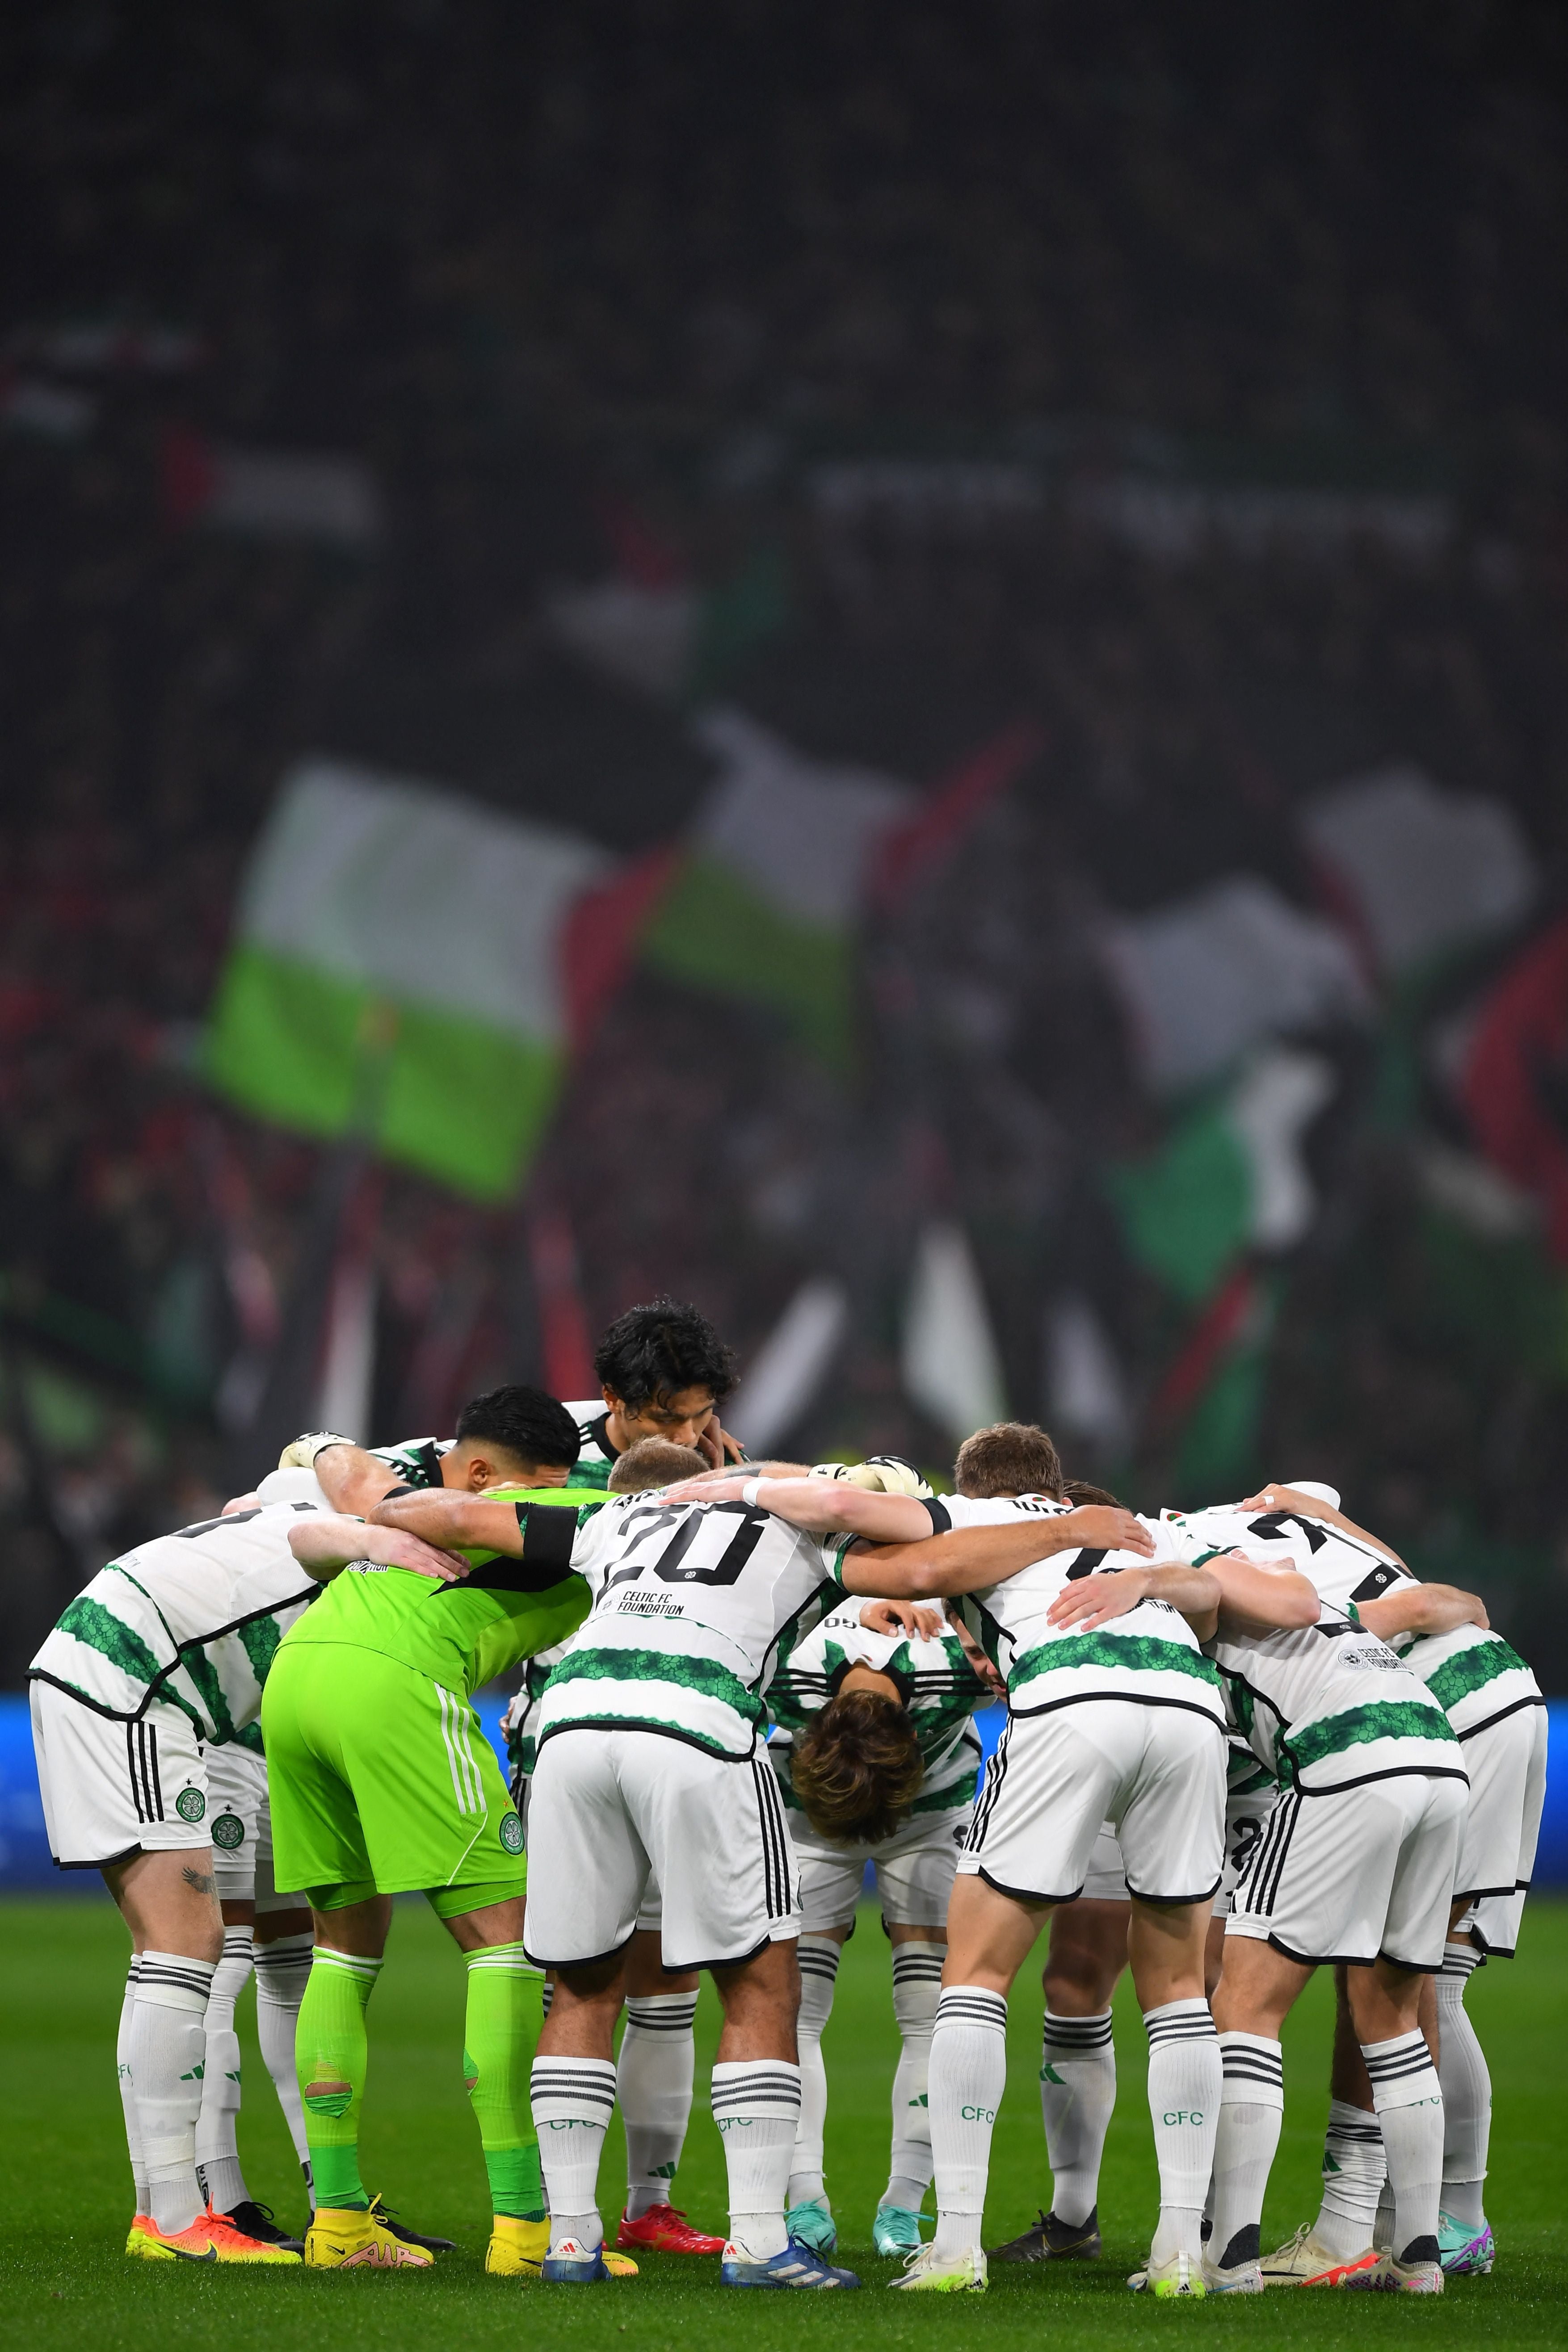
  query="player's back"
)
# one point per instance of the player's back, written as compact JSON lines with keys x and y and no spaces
{"x":1150,"y":1654}
{"x":693,"y":1604}
{"x":463,"y":1634}
{"x":1328,"y":1704}
{"x":194,"y":1617}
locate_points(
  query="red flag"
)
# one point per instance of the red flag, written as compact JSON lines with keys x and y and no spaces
{"x":1515,"y":1082}
{"x":912,"y":849}
{"x":563,"y":1319}
{"x":601,"y":934}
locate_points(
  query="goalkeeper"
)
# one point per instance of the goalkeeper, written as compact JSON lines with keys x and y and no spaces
{"x":384,"y":1784}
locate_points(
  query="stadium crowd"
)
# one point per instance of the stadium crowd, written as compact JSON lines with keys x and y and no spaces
{"x":536,"y":278}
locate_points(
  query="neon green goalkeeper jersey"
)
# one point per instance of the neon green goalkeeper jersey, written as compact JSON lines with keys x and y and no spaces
{"x":464,"y":1635}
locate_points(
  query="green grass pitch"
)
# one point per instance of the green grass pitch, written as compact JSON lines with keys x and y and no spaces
{"x":63,"y":2282}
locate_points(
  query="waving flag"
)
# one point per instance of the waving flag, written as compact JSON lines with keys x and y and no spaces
{"x":406,"y":964}
{"x":780,"y":863}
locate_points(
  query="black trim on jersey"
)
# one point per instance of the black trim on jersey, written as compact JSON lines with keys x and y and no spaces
{"x":1484,"y":1894}
{"x":154,"y":1688}
{"x":659,"y":1731}
{"x":1373,"y":1587}
{"x":597,"y":1433}
{"x":941,"y":1516}
{"x":1534,"y":1700}
{"x":1124,"y":1698}
{"x":1395,"y":1773}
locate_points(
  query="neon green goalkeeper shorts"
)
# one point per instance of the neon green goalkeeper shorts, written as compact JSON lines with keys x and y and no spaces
{"x":382,"y":1783}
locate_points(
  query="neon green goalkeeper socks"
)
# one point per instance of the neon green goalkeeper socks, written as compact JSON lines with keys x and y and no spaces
{"x":330,"y":2055}
{"x":501,"y":2032}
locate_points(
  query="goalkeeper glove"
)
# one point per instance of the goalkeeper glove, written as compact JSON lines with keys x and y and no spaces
{"x":301,"y":1452}
{"x":879,"y":1473}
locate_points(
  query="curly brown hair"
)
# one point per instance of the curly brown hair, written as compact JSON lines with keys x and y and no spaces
{"x":857,"y":1767}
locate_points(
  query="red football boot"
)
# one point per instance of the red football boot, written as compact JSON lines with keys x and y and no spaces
{"x":664,"y":2230}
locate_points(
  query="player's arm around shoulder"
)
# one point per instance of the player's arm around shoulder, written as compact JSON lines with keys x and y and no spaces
{"x":329,"y":1541}
{"x":1257,"y":1597}
{"x":968,"y":1560}
{"x":1423,"y":1609}
{"x":454,"y":1521}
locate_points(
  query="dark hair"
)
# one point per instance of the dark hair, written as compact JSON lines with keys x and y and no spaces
{"x":857,"y":1767}
{"x":1079,"y":1491}
{"x":524,"y":1421}
{"x":1013,"y":1457}
{"x":656,"y":1350}
{"x":654,"y":1462}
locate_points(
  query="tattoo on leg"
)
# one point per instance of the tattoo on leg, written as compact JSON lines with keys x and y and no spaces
{"x":201,"y":1881}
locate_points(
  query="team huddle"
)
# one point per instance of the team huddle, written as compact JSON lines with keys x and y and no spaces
{"x":1241,"y":1743}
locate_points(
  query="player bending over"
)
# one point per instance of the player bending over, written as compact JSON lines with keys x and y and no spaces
{"x":658,"y":2064}
{"x":1495,"y":1709}
{"x":156,"y":1666}
{"x":1113,"y":1713}
{"x":877,"y":1762}
{"x":382,"y":1784}
{"x":1357,"y":1865}
{"x":650,"y":1763}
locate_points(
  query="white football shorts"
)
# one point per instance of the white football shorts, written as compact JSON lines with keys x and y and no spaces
{"x":1356,"y":1874}
{"x":241,"y":1823}
{"x":112,"y":1790}
{"x":1506,"y":1764}
{"x":612,"y":1810}
{"x":914,"y":1870}
{"x":1246,"y":1819}
{"x":1156,"y":1774}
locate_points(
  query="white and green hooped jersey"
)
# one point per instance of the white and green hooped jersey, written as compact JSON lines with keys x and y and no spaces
{"x":519,"y":1724}
{"x":1472,"y":1673}
{"x":1151,"y":1655}
{"x":193,"y":1618}
{"x":935,"y":1680}
{"x":693,"y":1604}
{"x":417,"y":1460}
{"x":1327,"y":1705}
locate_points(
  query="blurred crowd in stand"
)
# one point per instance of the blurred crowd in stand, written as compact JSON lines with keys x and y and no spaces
{"x":541,"y":275}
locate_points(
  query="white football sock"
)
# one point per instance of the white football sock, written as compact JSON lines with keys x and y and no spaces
{"x":917,"y":1982}
{"x":653,"y":2082}
{"x":1354,"y":2168}
{"x":282,"y":1970}
{"x":1409,"y":2100}
{"x":1251,"y":2112}
{"x":1078,"y":2098}
{"x":218,"y":2174}
{"x":756,"y":2105}
{"x":165,"y":2047}
{"x":819,"y":1957}
{"x":572,"y":2101}
{"x":127,"y":2090}
{"x":968,"y":2073}
{"x":1185,"y":2086}
{"x":1467,"y":2091}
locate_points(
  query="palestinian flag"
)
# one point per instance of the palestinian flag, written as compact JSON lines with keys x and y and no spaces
{"x":413,"y":967}
{"x":777,"y":868}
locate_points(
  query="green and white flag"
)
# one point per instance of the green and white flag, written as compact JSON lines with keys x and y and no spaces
{"x":402,"y":965}
{"x":778,"y":865}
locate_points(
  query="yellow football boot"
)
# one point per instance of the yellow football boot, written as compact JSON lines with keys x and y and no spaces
{"x":344,"y":2238}
{"x":516,"y":2248}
